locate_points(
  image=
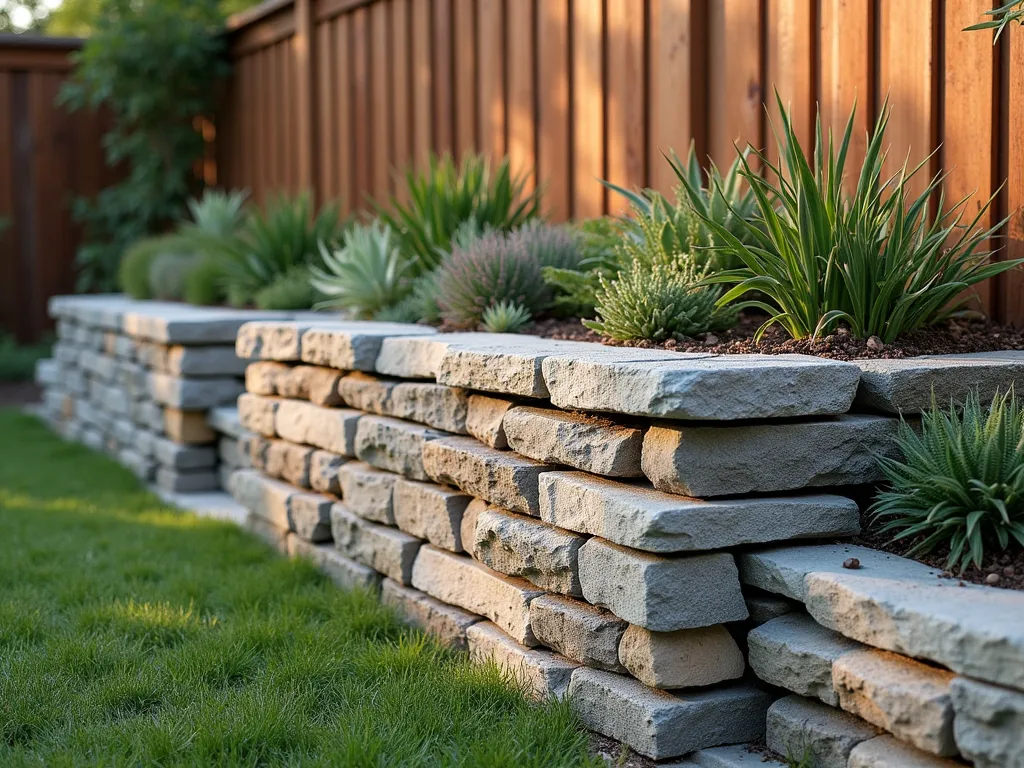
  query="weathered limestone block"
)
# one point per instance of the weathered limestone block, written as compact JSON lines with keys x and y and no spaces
{"x":173,"y":323}
{"x":332,"y":429}
{"x":640,"y":517}
{"x":367,"y":393}
{"x":145,"y":443}
{"x":578,"y":630}
{"x":472,"y":586}
{"x":542,"y":674}
{"x":262,"y":496}
{"x":419,"y":357}
{"x":889,"y":752}
{"x":188,"y":427}
{"x":760,"y":458}
{"x":47,"y":372}
{"x":187,"y":480}
{"x":263,"y":340}
{"x":485,"y":419}
{"x":686,"y":658}
{"x":219,"y":360}
{"x":507,"y":366}
{"x":989,"y":723}
{"x":309,"y":516}
{"x":394,"y":445}
{"x":431,"y":512}
{"x":431,"y":404}
{"x":254,"y":447}
{"x":313,"y":383}
{"x":386,"y":550}
{"x":501,"y":478}
{"x":352,"y":346}
{"x":287,"y":461}
{"x":229,"y":453}
{"x":445,"y":622}
{"x":97,"y":365}
{"x":124,"y":432}
{"x":262,"y":376}
{"x":702,"y":386}
{"x":659,"y":724}
{"x":522,"y":546}
{"x":764,"y":607}
{"x":175,"y":456}
{"x":590,"y":443}
{"x":323,"y":471}
{"x":193,"y":394}
{"x":801,"y":729}
{"x":796,"y":653}
{"x":274,"y":535}
{"x":644,"y":589}
{"x":905,"y":697}
{"x":149,"y":415}
{"x":345,"y":573}
{"x":225,"y":419}
{"x":908,"y":385}
{"x":368,"y":491}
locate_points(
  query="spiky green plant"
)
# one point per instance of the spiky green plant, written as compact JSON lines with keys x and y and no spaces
{"x":960,"y":483}
{"x":877,"y":261}
{"x":575,"y":289}
{"x":418,"y":306}
{"x":366,"y":275}
{"x":506,"y":317}
{"x":205,"y":282}
{"x":552,"y":245}
{"x":167,"y":273}
{"x":134,"y":270}
{"x":216,"y":213}
{"x":443,"y":196}
{"x":1002,"y":17}
{"x":292,"y":290}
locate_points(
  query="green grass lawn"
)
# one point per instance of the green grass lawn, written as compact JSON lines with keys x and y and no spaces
{"x":18,"y":363}
{"x":134,"y":634}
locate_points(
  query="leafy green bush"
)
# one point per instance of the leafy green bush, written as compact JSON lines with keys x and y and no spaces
{"x":505,"y":317}
{"x":216,"y":214}
{"x":168,"y":272}
{"x":367,"y":275}
{"x":552,"y":245}
{"x":575,"y":289}
{"x":418,"y":306}
{"x":205,"y":282}
{"x":17,"y":361}
{"x":960,"y":484}
{"x":290,"y":290}
{"x":444,"y":196}
{"x":155,"y":66}
{"x":494,"y":269}
{"x":133,"y":272}
{"x":878,"y":261}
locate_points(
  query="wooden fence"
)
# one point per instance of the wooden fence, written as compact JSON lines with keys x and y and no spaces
{"x":47,"y":156}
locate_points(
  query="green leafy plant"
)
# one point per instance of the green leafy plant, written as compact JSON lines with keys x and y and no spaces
{"x":366,"y":275}
{"x":444,"y":196}
{"x":155,"y":66}
{"x":960,"y":484}
{"x":418,"y":306}
{"x":506,"y":317}
{"x":217,"y":213}
{"x":575,"y":289}
{"x":205,"y":282}
{"x":877,"y":261}
{"x":494,"y":269}
{"x":133,"y":272}
{"x":1002,"y":17}
{"x":552,"y":245}
{"x":18,"y":361}
{"x":290,"y":290}
{"x":168,"y":272}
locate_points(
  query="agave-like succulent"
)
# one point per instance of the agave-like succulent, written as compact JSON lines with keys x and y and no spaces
{"x":217,"y":213}
{"x":366,"y":275}
{"x":506,"y":317}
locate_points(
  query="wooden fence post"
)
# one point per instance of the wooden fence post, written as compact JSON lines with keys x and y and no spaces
{"x":305,"y":85}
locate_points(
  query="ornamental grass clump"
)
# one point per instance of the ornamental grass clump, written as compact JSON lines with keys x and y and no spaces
{"x":506,"y":317}
{"x":960,"y":485}
{"x":877,"y":260}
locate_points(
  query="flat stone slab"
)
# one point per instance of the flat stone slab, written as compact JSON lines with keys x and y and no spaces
{"x":517,"y":545}
{"x":696,"y":386}
{"x":344,"y":572}
{"x":104,"y":309}
{"x":323,"y":471}
{"x":485,"y":419}
{"x":733,"y":756}
{"x":225,"y":419}
{"x":193,"y":394}
{"x":686,"y":658}
{"x":640,"y":517}
{"x":764,"y":607}
{"x":796,"y":653}
{"x":900,"y":605}
{"x":445,"y":622}
{"x":174,"y":323}
{"x":661,"y":725}
{"x":906,"y":385}
{"x":188,"y":427}
{"x":762,"y":458}
{"x":368,"y":491}
{"x":802,"y":729}
{"x":431,"y":512}
{"x":578,"y":630}
{"x":500,"y":477}
{"x":461,"y":581}
{"x":263,"y":340}
{"x":385,"y":549}
{"x":889,"y":752}
{"x":419,"y":357}
{"x":219,"y":360}
{"x":352,"y":346}
{"x":644,"y":589}
{"x":590,"y":443}
{"x":541,"y":674}
{"x":332,"y":429}
{"x":425,"y":403}
{"x":989,"y":723}
{"x":170,"y":454}
{"x":395,"y":445}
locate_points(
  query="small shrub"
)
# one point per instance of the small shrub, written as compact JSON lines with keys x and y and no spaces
{"x":575,"y":289}
{"x":960,"y":485}
{"x":367,"y":275}
{"x":444,"y":196}
{"x":205,"y":282}
{"x":216,"y":213}
{"x":495,"y":269}
{"x":291,"y":290}
{"x":877,"y":261}
{"x":133,"y":273}
{"x":506,"y":317}
{"x":418,"y":306}
{"x":168,"y":272}
{"x":552,"y":245}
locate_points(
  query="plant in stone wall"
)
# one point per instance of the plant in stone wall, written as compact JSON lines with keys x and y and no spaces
{"x":154,"y":66}
{"x":959,"y":487}
{"x":877,"y":261}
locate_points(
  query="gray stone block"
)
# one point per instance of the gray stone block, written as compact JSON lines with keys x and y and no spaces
{"x":258,"y":414}
{"x":175,"y":456}
{"x":485,"y":419}
{"x":47,"y":372}
{"x":273,"y":535}
{"x":219,"y":360}
{"x":541,"y":674}
{"x":142,"y":467}
{"x":309,"y":516}
{"x":323,"y":471}
{"x":661,"y":725}
{"x":445,"y":622}
{"x":578,"y":440}
{"x":799,"y":729}
{"x":394,"y":445}
{"x":431,"y":404}
{"x":287,"y":461}
{"x":187,"y":480}
{"x":734,"y":756}
{"x":263,"y":340}
{"x":763,"y":607}
{"x":174,"y":323}
{"x":431,"y":512}
{"x":332,"y":429}
{"x":578,"y":630}
{"x":889,"y":752}
{"x":989,"y":723}
{"x":352,"y":346}
{"x":686,"y":658}
{"x":419,"y":357}
{"x":761,"y":458}
{"x":640,"y":517}
{"x":225,"y":419}
{"x":263,"y":496}
{"x":386,"y":550}
{"x":194,"y":394}
{"x":345,"y":573}
{"x":644,"y":589}
{"x":499,"y":477}
{"x":368,"y":491}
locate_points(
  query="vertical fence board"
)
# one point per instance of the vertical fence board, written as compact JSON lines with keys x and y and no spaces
{"x":588,"y":108}
{"x":401,"y":97}
{"x":1012,"y":283}
{"x":735,"y":92}
{"x":554,"y":166}
{"x":491,"y":82}
{"x":343,"y":131}
{"x":9,"y":304}
{"x":521,"y":68}
{"x":790,"y":70}
{"x":443,"y":105}
{"x":328,"y":96}
{"x":360,"y":108}
{"x":625,"y":105}
{"x":465,"y":33}
{"x":380,"y":116}
{"x":422,"y":81}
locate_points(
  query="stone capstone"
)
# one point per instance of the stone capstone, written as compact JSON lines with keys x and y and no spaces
{"x":352,"y":346}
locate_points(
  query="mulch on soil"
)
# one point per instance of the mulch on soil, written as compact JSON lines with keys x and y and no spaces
{"x":951,"y":337}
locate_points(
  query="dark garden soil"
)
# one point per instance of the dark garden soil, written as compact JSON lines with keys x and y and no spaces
{"x":18,"y":393}
{"x":951,"y":337}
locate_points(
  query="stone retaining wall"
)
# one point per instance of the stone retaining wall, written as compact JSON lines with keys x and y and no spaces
{"x":657,"y":536}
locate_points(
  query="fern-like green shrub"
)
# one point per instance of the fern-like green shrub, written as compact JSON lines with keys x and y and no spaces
{"x":506,"y":317}
{"x":366,"y":275}
{"x":960,"y":484}
{"x":494,"y":269}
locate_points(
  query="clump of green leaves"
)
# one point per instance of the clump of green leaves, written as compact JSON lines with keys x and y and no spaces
{"x":205,"y":283}
{"x":366,"y":275}
{"x":1002,"y":17}
{"x":155,"y":66}
{"x":291,"y":290}
{"x":877,"y":261}
{"x":506,"y":317}
{"x":444,"y":196}
{"x":168,"y":272}
{"x":960,"y":484}
{"x":575,"y":288}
